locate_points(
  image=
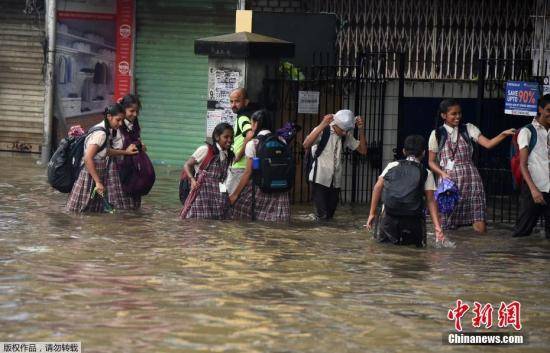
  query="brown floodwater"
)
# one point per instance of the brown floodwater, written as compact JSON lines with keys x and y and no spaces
{"x":149,"y":282}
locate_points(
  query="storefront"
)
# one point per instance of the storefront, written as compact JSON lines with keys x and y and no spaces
{"x":21,"y":79}
{"x":94,"y":66}
{"x":93,"y":61}
{"x":170,"y":79}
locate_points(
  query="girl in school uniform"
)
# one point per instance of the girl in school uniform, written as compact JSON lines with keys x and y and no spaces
{"x":128,"y":133}
{"x":450,"y":156}
{"x":97,"y":152}
{"x":207,"y":198}
{"x":273,"y":207}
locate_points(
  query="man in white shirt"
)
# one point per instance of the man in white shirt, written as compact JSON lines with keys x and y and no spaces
{"x":535,"y":170}
{"x":326,"y":171}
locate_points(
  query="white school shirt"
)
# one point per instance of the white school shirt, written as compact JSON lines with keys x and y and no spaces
{"x":97,"y":138}
{"x":430,"y":181}
{"x":329,"y":169}
{"x":473,"y":131}
{"x":538,"y":162}
{"x":201,"y":152}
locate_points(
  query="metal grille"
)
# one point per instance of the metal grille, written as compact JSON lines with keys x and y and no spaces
{"x":443,"y":39}
{"x":360,"y":87}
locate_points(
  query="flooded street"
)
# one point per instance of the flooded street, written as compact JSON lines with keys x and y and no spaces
{"x":148,"y":282}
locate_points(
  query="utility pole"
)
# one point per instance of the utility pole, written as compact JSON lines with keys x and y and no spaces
{"x":51,"y":22}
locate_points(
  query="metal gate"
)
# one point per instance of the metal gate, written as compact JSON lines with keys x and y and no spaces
{"x":494,"y":165}
{"x":359,"y":86}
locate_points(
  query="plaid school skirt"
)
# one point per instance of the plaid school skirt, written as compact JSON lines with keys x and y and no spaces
{"x":80,"y":197}
{"x":117,"y":197}
{"x":206,"y":201}
{"x":272,"y":207}
{"x":471,"y":208}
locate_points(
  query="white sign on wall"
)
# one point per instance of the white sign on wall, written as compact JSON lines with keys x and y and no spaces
{"x":308,"y":102}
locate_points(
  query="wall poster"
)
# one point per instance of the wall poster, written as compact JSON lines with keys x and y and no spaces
{"x":220,"y":84}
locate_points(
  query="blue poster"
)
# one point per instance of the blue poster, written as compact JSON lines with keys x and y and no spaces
{"x":521,"y":98}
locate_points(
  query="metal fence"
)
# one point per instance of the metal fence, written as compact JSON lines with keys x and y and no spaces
{"x":359,"y":86}
{"x":494,"y":165}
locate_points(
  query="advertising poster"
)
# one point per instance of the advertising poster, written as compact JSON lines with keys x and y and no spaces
{"x":93,"y":55}
{"x":220,"y":84}
{"x":521,"y":98}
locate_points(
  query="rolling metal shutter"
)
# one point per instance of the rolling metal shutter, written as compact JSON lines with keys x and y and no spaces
{"x":170,"y":79}
{"x":21,"y":79}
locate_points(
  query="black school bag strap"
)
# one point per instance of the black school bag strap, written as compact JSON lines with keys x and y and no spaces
{"x":325,"y":136}
{"x":533,"y":138}
{"x":441,"y":136}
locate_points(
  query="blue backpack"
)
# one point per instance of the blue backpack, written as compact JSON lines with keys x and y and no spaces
{"x":276,"y":165}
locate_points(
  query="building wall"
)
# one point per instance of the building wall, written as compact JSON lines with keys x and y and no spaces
{"x":443,"y":39}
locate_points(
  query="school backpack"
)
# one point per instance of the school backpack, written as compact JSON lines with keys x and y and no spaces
{"x":288,"y":131}
{"x":403,"y":193}
{"x":185,"y":183}
{"x":137,"y":175}
{"x":276,"y":165}
{"x":514,"y":154}
{"x":309,"y":158}
{"x":65,"y":164}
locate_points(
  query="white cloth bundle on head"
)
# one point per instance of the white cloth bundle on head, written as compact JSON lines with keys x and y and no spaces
{"x":345,"y":119}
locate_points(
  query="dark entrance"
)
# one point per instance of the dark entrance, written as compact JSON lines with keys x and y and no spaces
{"x":487,"y":112}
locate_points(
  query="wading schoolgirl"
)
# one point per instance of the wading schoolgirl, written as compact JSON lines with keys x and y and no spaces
{"x":95,"y":162}
{"x":207,"y":171}
{"x":266,"y":206}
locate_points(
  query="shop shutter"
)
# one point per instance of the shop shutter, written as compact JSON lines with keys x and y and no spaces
{"x":170,"y":79}
{"x":21,"y":79}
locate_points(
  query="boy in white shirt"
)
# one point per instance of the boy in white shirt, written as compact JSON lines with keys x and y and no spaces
{"x":405,"y":187}
{"x":330,"y":137}
{"x":535,"y":170}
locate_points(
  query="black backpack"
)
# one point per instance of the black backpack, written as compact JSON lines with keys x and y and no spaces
{"x":309,"y":158}
{"x":65,"y":164}
{"x":276,"y":172}
{"x":403,"y":193}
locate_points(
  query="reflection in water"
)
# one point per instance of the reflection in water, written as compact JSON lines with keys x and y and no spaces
{"x":153,"y":283}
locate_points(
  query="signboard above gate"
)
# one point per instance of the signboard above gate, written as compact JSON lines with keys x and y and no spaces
{"x":521,"y":98}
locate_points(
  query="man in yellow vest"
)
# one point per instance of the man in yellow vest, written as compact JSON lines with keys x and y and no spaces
{"x":243,"y":133}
